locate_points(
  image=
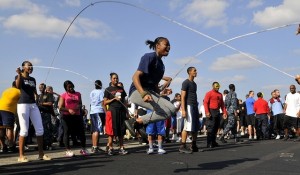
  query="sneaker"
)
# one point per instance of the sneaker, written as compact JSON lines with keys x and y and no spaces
{"x":161,"y":151}
{"x":178,"y":140}
{"x":184,"y":149}
{"x":84,"y":152}
{"x":4,"y":149}
{"x":122,"y":151}
{"x":96,"y":150}
{"x":222,"y":139}
{"x":194,"y":148}
{"x":242,"y":133}
{"x":150,"y":151}
{"x":255,"y":137}
{"x":188,"y":140}
{"x":23,"y":159}
{"x":70,"y":153}
{"x":250,"y":137}
{"x":110,"y":152}
{"x":277,"y":137}
{"x":45,"y":157}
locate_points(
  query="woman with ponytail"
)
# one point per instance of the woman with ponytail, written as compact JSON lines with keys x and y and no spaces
{"x":145,"y":90}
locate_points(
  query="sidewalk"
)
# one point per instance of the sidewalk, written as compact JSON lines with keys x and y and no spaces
{"x":57,"y":152}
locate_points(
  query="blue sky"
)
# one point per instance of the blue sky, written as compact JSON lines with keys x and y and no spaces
{"x":109,"y":37}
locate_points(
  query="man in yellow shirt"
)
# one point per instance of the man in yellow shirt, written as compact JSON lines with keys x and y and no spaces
{"x":8,"y":111}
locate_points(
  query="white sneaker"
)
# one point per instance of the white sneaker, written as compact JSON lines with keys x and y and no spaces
{"x":188,"y":140}
{"x":242,"y":133}
{"x":255,"y":137}
{"x":178,"y":140}
{"x":70,"y":153}
{"x":174,"y":137}
{"x":250,"y":137}
{"x":277,"y":137}
{"x":161,"y":151}
{"x":150,"y":151}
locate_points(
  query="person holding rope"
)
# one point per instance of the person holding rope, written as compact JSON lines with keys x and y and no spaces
{"x":145,"y":91}
{"x":28,"y":109}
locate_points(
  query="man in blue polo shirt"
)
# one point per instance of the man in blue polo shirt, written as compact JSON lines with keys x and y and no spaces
{"x":250,"y":118}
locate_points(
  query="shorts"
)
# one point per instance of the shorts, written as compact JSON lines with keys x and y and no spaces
{"x":250,"y":119}
{"x":156,"y":128}
{"x":7,"y":119}
{"x":96,"y":122}
{"x":291,"y":122}
{"x":173,"y":122}
{"x":191,"y":121}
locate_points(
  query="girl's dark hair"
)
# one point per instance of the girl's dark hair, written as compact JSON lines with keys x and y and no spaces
{"x":23,"y":64}
{"x":152,"y":44}
{"x":98,"y":84}
{"x":66,"y":83}
{"x":112,"y":74}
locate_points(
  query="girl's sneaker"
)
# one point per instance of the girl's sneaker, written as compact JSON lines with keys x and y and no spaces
{"x":122,"y":151}
{"x":161,"y":151}
{"x":150,"y":151}
{"x":70,"y":153}
{"x":84,"y":152}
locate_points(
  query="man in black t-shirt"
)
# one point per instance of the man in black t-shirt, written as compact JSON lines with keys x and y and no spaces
{"x":190,"y":113}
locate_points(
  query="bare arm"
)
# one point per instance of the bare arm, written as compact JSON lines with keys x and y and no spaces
{"x":183,"y":103}
{"x":137,"y":83}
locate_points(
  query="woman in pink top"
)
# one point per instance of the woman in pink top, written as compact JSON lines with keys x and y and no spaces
{"x":70,"y":105}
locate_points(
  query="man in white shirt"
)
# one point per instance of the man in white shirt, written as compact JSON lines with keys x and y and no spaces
{"x":291,"y":108}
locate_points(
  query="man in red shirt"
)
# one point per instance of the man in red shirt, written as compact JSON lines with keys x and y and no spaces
{"x":213,"y":101}
{"x":262,"y":110}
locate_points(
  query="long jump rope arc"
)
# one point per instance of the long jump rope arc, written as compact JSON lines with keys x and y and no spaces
{"x":184,"y":26}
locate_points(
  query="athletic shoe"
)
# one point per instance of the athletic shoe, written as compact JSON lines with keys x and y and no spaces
{"x":161,"y":151}
{"x":45,"y":157}
{"x":285,"y":138}
{"x":277,"y":137}
{"x":242,"y":133}
{"x":188,"y":140}
{"x":194,"y":148}
{"x":150,"y":151}
{"x":84,"y":152}
{"x":255,"y":137}
{"x":222,"y":139}
{"x":110,"y":152}
{"x":184,"y":149}
{"x":178,"y":140}
{"x":96,"y":150}
{"x":122,"y":151}
{"x":70,"y":153}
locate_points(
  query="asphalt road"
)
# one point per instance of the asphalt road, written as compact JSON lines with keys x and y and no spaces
{"x":274,"y":157}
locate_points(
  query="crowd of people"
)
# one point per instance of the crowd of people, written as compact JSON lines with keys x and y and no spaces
{"x":62,"y":117}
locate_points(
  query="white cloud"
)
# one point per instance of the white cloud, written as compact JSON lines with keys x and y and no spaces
{"x":254,"y":3}
{"x":238,"y":21}
{"x":197,"y":12}
{"x":40,"y":25}
{"x":235,"y":61}
{"x":35,"y":22}
{"x":21,"y":5}
{"x":285,"y":13}
{"x":187,"y":60}
{"x":174,"y":4}
{"x":73,"y":3}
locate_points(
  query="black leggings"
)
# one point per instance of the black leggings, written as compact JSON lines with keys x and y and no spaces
{"x":73,"y":124}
